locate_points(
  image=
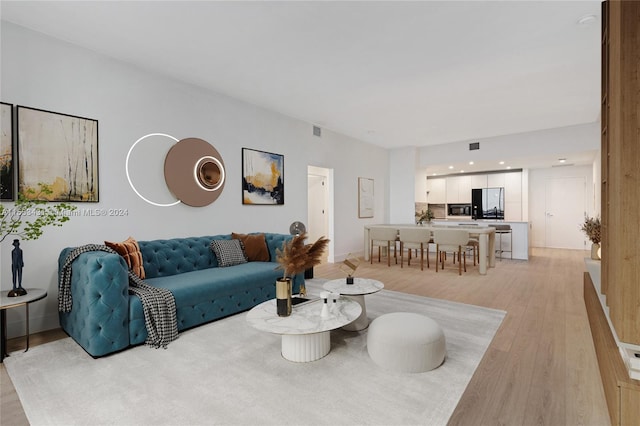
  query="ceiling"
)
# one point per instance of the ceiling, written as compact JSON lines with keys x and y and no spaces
{"x":577,"y":158}
{"x":392,"y":73}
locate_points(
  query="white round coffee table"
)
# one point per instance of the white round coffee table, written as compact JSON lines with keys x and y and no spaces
{"x":305,"y":334}
{"x":356,"y":292}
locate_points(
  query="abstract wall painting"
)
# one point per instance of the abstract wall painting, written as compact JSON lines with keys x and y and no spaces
{"x":60,"y":151}
{"x":262,"y":177}
{"x":6,"y":152}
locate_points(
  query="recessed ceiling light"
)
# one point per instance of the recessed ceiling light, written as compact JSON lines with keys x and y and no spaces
{"x":562,"y":160}
{"x":508,"y":167}
{"x":587,"y":20}
{"x":461,"y":171}
{"x":502,"y":162}
{"x":450,"y":167}
{"x":435,"y":174}
{"x":471,"y":163}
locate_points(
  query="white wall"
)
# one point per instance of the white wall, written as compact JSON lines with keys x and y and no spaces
{"x":537,"y":196}
{"x":129,"y":103}
{"x":402,"y":174}
{"x":420,"y":182}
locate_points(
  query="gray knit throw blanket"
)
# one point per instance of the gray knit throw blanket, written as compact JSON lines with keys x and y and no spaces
{"x":158,"y":304}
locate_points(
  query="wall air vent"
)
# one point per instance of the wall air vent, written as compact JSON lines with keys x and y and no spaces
{"x":474,"y":146}
{"x":317,"y":131}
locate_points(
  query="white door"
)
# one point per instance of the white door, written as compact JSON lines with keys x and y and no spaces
{"x":317,"y":211}
{"x":565,"y":210}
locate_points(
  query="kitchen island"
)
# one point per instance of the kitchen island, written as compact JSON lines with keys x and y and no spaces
{"x":520,"y":233}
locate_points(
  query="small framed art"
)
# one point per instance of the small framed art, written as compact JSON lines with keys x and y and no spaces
{"x":365,"y":198}
{"x":262,"y":177}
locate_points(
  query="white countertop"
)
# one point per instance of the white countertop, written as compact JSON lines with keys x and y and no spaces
{"x":477,"y":221}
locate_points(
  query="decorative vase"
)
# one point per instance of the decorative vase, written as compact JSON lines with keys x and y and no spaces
{"x":283,"y":297}
{"x":594,"y":251}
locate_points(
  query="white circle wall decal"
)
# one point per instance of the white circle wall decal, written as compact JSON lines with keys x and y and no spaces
{"x":129,"y":177}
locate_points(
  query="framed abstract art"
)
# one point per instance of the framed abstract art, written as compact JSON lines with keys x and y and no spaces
{"x":60,"y":151}
{"x":262,"y":177}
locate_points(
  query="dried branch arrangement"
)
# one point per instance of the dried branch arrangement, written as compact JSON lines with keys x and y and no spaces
{"x":295,"y":257}
{"x":591,"y":227}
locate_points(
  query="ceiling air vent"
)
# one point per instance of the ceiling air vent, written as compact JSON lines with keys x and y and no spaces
{"x":317,"y":131}
{"x":474,"y":146}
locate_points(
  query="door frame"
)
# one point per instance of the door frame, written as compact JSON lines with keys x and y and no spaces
{"x":328,"y":204}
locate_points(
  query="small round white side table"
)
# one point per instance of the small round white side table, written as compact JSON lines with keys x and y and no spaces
{"x":6,"y":302}
{"x":356,"y":292}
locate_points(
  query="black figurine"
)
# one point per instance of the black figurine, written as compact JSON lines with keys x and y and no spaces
{"x":17,"y":262}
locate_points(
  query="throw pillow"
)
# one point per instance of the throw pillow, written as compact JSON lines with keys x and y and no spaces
{"x":255,"y":246}
{"x":228,"y":252}
{"x":131,"y":253}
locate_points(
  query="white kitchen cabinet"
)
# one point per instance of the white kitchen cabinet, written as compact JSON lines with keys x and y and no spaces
{"x":512,"y":211}
{"x":436,"y":190}
{"x":458,"y":189}
{"x":513,"y":187}
{"x":478,"y":181}
{"x":495,"y":180}
{"x":452,"y":185}
{"x":464,"y":189}
{"x":513,"y":196}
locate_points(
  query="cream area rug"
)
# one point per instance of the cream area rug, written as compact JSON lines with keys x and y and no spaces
{"x":227,"y":373}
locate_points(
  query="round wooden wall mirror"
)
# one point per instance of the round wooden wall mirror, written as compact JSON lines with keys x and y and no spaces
{"x":194,"y":172}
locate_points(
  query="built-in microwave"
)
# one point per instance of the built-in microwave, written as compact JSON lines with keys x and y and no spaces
{"x":459,"y":209}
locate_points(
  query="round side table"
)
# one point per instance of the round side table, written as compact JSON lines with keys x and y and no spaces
{"x":33,"y":294}
{"x":356,"y":292}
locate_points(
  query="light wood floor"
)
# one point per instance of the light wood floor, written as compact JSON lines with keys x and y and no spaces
{"x":540,"y":368}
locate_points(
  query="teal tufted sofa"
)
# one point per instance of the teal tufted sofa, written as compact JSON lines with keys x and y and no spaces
{"x":104,"y":318}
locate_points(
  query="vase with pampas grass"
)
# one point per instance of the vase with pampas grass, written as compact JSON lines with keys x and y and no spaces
{"x":591,"y":227}
{"x":295,"y":257}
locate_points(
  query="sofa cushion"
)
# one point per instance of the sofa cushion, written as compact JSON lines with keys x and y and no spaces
{"x":229,"y":252}
{"x":131,"y":253}
{"x":176,"y":256}
{"x":206,"y":295}
{"x":179,"y":255}
{"x":255,"y":246}
{"x":195,"y":287}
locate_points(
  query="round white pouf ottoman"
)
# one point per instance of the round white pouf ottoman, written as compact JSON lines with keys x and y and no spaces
{"x":406,"y":342}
